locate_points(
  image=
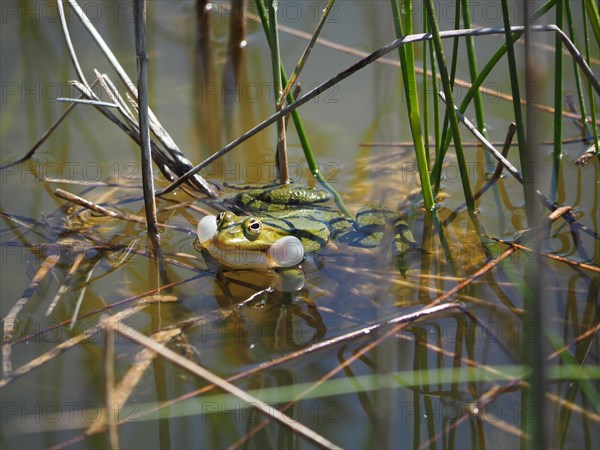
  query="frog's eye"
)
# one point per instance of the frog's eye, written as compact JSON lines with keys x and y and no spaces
{"x":220,"y":217}
{"x":252,"y":228}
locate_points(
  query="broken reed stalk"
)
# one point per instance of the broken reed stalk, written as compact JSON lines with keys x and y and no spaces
{"x":141,"y":302}
{"x":9,"y":325}
{"x":144,"y":124}
{"x":44,"y":137}
{"x":399,"y":323}
{"x":85,"y":203}
{"x":128,"y":382}
{"x":66,"y":283}
{"x":201,"y":372}
{"x":389,"y":327}
{"x":552,"y":256}
{"x":170,"y":153}
{"x":302,"y":135}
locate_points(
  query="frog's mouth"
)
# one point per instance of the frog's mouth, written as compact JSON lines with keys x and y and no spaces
{"x":285,"y":252}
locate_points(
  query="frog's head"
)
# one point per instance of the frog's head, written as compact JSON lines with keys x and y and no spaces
{"x":247,"y":243}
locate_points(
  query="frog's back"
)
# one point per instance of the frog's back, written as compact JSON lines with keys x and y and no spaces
{"x":310,"y":228}
{"x":298,"y":211}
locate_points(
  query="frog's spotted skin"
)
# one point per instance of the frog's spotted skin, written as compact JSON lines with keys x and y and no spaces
{"x":283,"y":211}
{"x":281,"y":197}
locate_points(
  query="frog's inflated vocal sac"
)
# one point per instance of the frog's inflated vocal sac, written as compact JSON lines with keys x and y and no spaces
{"x":289,"y":221}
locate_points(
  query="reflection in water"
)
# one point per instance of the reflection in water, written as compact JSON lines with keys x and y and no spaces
{"x":265,"y":321}
{"x":260,"y":321}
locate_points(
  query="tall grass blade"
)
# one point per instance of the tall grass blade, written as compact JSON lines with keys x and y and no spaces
{"x":409,"y":79}
{"x":589,"y":84}
{"x":442,"y":149}
{"x":436,"y":99}
{"x":302,"y":136}
{"x":472,"y":58}
{"x":282,"y":158}
{"x":462,"y":165}
{"x":572,"y":36}
{"x":592,"y":11}
{"x":425,"y":98}
{"x":445,"y":129}
{"x":307,"y":50}
{"x":516,"y":95}
{"x":456,"y":41}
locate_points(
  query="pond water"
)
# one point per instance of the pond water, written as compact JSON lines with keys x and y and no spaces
{"x":396,"y":390}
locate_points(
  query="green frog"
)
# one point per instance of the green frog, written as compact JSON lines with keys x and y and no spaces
{"x":287,"y":222}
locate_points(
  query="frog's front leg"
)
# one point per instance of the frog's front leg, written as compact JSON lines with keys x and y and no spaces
{"x":369,"y":228}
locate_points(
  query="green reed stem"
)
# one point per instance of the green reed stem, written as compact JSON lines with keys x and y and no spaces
{"x":472,"y":58}
{"x":407,"y":63}
{"x":462,"y":164}
{"x":582,"y":107}
{"x":302,"y":136}
{"x":516,"y":96}
{"x":437,"y":168}
{"x":477,"y":99}
{"x":307,"y":50}
{"x":455,"y":43}
{"x":436,"y":97}
{"x":558,"y":98}
{"x":425,"y":98}
{"x":586,"y":39}
{"x":592,"y":11}
{"x":454,"y":60}
{"x":277,"y":88}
